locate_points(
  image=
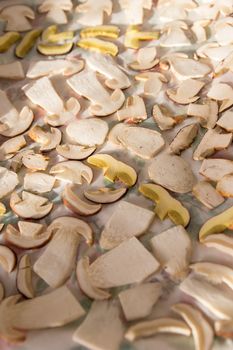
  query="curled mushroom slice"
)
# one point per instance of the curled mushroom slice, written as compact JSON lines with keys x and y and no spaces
{"x":30,"y":206}
{"x":17,"y":17}
{"x":207,"y":113}
{"x":215,"y":169}
{"x":86,"y":84}
{"x":13,"y":70}
{"x":11,"y":146}
{"x":53,"y":49}
{"x":51,"y":34}
{"x":104,"y":194}
{"x":56,"y":10}
{"x":34,"y":161}
{"x":7,"y":258}
{"x":183,"y":139}
{"x":160,"y":325}
{"x":202,"y":331}
{"x":92,"y":12}
{"x":38,"y":182}
{"x":207,"y":194}
{"x":75,"y":152}
{"x":72,"y":171}
{"x":221,"y":92}
{"x":186,"y":92}
{"x":48,"y":140}
{"x":226,"y":121}
{"x":27,"y":43}
{"x":146,"y":59}
{"x":98,"y":45}
{"x":153,"y":82}
{"x":134,"y":11}
{"x":6,"y":41}
{"x":8,"y":181}
{"x":134,"y":110}
{"x":221,"y":242}
{"x":106,"y":31}
{"x":24,"y":277}
{"x":164,"y":118}
{"x":224,"y":186}
{"x":134,"y":36}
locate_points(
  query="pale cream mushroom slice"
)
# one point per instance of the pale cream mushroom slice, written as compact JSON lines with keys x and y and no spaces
{"x":146,"y":59}
{"x":134,"y":11}
{"x":7,"y":258}
{"x":215,"y":169}
{"x":175,"y":34}
{"x":214,"y":140}
{"x":29,"y":235}
{"x":17,"y":17}
{"x":102,"y":103}
{"x":72,"y":171}
{"x":207,"y":194}
{"x":8,"y":181}
{"x":42,"y":93}
{"x":74,"y":152}
{"x":224,"y":30}
{"x":9,"y":147}
{"x":130,"y":262}
{"x":221,"y":92}
{"x":24,"y":277}
{"x":88,"y":132}
{"x":206,"y":113}
{"x":186,"y":92}
{"x":183,"y":139}
{"x":172,"y":172}
{"x":30,"y":206}
{"x":221,"y":242}
{"x":153,"y":82}
{"x":57,"y":261}
{"x":93,"y":13}
{"x":128,"y":220}
{"x":56,"y":10}
{"x":138,"y":301}
{"x":227,"y":63}
{"x":17,"y":160}
{"x":173,"y":249}
{"x":104,"y":195}
{"x":133,"y":111}
{"x":226,"y":121}
{"x":38,"y":182}
{"x":116,"y":131}
{"x":12,"y":71}
{"x":224,"y":186}
{"x":164,"y":118}
{"x":202,"y":331}
{"x":34,"y":161}
{"x":47,"y":139}
{"x":200,"y":31}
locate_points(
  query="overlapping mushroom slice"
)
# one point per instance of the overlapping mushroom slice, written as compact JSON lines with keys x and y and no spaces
{"x":38,"y":182}
{"x":98,"y":45}
{"x":206,"y":113}
{"x":226,"y":121}
{"x":8,"y":181}
{"x":224,"y":186}
{"x":221,"y":242}
{"x":7,"y":258}
{"x":74,"y":152}
{"x":174,"y":34}
{"x":48,"y":140}
{"x":180,"y":11}
{"x":223,"y":31}
{"x":17,"y":17}
{"x":33,"y":161}
{"x":207,"y":194}
{"x":13,"y":70}
{"x":221,"y":92}
{"x":134,"y":12}
{"x":146,"y":59}
{"x":134,"y":36}
{"x":186,"y":92}
{"x":56,"y":10}
{"x":183,"y":139}
{"x":72,"y":171}
{"x":93,"y":13}
{"x":42,"y":93}
{"x":105,"y":31}
{"x":57,"y":261}
{"x":153,"y":82}
{"x":215,"y":169}
{"x":134,"y":110}
{"x":24,"y":277}
{"x":127,"y":220}
{"x":11,"y":146}
{"x":104,"y":195}
{"x":164,"y":118}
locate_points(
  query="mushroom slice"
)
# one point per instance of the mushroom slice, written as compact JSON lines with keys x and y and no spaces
{"x":104,"y":64}
{"x":60,"y":254}
{"x":226,"y":121}
{"x":207,"y":113}
{"x":12,"y":122}
{"x":114,"y":133}
{"x":30,"y":206}
{"x":224,"y":186}
{"x":105,"y":194}
{"x":50,"y":49}
{"x":16,"y":161}
{"x":84,"y":281}
{"x":201,"y":329}
{"x":2,"y":212}
{"x":130,"y":262}
{"x":134,"y":110}
{"x":207,"y":194}
{"x":102,"y":103}
{"x":134,"y":12}
{"x":114,"y":169}
{"x":173,"y":249}
{"x":6,"y":41}
{"x":76,"y":204}
{"x":213,"y":140}
{"x":186,"y":92}
{"x":42,"y":93}
{"x":8,"y":181}
{"x":171,"y":172}
{"x":183,"y":139}
{"x":27,"y":43}
{"x":163,"y":118}
{"x":133,"y":36}
{"x":221,"y":92}
{"x":137,"y":302}
{"x":65,"y":67}
{"x":153,"y":327}
{"x":128,"y":220}
{"x":24,"y":277}
{"x":38,"y":182}
{"x":75,"y":152}
{"x":17,"y":17}
{"x":215,"y":169}
{"x":106,"y":31}
{"x":7,"y":258}
{"x":2,"y":292}
{"x":98,"y":45}
{"x":35,"y":161}
{"x":174,"y":34}
{"x":56,"y":10}
{"x":30,"y":235}
{"x":166,"y":205}
{"x":92,"y":12}
{"x":87,"y":132}
{"x":199,"y":29}
{"x":221,"y":242}
{"x":13,"y":70}
{"x":146,"y":59}
{"x":72,"y":171}
{"x":52,"y":35}
{"x":48,"y":140}
{"x":11,"y":146}
{"x":153,"y":82}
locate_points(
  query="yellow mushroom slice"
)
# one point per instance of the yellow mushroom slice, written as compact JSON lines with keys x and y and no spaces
{"x":207,"y":194}
{"x":92,"y":12}
{"x":38,"y":182}
{"x":11,"y":146}
{"x":8,"y":181}
{"x":166,"y":205}
{"x":98,"y":45}
{"x":157,"y":326}
{"x":133,"y":36}
{"x":2,"y":292}
{"x":24,"y":277}
{"x":35,"y":161}
{"x":221,"y":242}
{"x":102,"y":103}
{"x":74,"y":152}
{"x":76,"y":204}
{"x":183,"y":139}
{"x":137,"y":302}
{"x":114,"y":169}
{"x":42,"y":93}
{"x":153,"y":82}
{"x":207,"y":113}
{"x":146,"y":59}
{"x":186,"y":92}
{"x":30,"y":206}
{"x":54,"y":49}
{"x":30,"y":235}
{"x":133,"y":111}
{"x":7,"y":258}
{"x":57,"y":261}
{"x":134,"y":11}
{"x":130,"y":262}
{"x":202,"y":331}
{"x":175,"y":34}
{"x":2,"y":210}
{"x":51,"y":35}
{"x":163,"y":117}
{"x":56,"y":10}
{"x":12,"y":71}
{"x":128,"y":220}
{"x":84,"y":281}
{"x":27,"y":43}
{"x":172,"y":172}
{"x":48,"y":140}
{"x":226,"y":121}
{"x":72,"y":171}
{"x":105,"y":194}
{"x":106,"y":31}
{"x":215,"y":169}
{"x":7,"y":40}
{"x":221,"y":92}
{"x":224,"y":186}
{"x":17,"y":17}
{"x":213,"y":140}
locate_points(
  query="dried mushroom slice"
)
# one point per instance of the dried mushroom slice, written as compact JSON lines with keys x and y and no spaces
{"x":24,"y":277}
{"x":92,"y":12}
{"x":27,"y":43}
{"x":226,"y":121}
{"x":74,"y":152}
{"x":224,"y":186}
{"x":11,"y":146}
{"x":17,"y":17}
{"x":206,"y":113}
{"x":221,"y":242}
{"x":164,"y":118}
{"x":146,"y":59}
{"x":13,"y":70}
{"x":56,"y":10}
{"x":53,"y":49}
{"x":116,"y":131}
{"x":48,"y":140}
{"x":183,"y":139}
{"x":104,"y":195}
{"x":221,"y":92}
{"x":186,"y":92}
{"x":99,"y":46}
{"x":34,"y":161}
{"x":7,"y":258}
{"x":72,"y":171}
{"x":105,"y":31}
{"x":153,"y":82}
{"x":134,"y":110}
{"x":134,"y":36}
{"x":207,"y":194}
{"x":134,"y":11}
{"x":175,"y":33}
{"x":215,"y":169}
{"x":8,"y":181}
{"x":38,"y":182}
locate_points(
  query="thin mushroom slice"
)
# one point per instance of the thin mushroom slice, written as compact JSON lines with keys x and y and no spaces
{"x":104,"y":194}
{"x":8,"y":181}
{"x":183,"y":139}
{"x":206,"y":113}
{"x":221,"y":242}
{"x":164,"y":118}
{"x":7,"y":258}
{"x":17,"y":17}
{"x":38,"y":182}
{"x":13,"y":70}
{"x":72,"y":171}
{"x":134,"y":36}
{"x":17,"y":160}
{"x":134,"y":110}
{"x":226,"y":121}
{"x":74,"y":152}
{"x":225,"y":186}
{"x":202,"y":331}
{"x":186,"y":92}
{"x":215,"y":169}
{"x":146,"y":59}
{"x":221,"y":92}
{"x":105,"y":31}
{"x":24,"y":277}
{"x":99,"y":46}
{"x":56,"y":10}
{"x":48,"y":140}
{"x":11,"y":146}
{"x":6,"y":41}
{"x":92,"y":12}
{"x":34,"y":161}
{"x":116,"y":131}
{"x":174,"y":34}
{"x":134,"y":12}
{"x":207,"y":195}
{"x":27,"y":43}
{"x":153,"y":82}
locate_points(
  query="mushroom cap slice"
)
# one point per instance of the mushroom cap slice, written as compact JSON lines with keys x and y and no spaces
{"x":220,"y":242}
{"x":224,"y":186}
{"x":134,"y":110}
{"x":116,"y":131}
{"x":95,"y":16}
{"x":72,"y":171}
{"x":48,"y":140}
{"x":221,"y":92}
{"x":206,"y":113}
{"x":183,"y":139}
{"x":7,"y":258}
{"x":215,"y":169}
{"x":207,"y":194}
{"x":186,"y":91}
{"x":53,"y":67}
{"x":74,"y":152}
{"x":226,"y":121}
{"x":153,"y":82}
{"x":146,"y":59}
{"x":8,"y":181}
{"x":17,"y":17}
{"x":11,"y":146}
{"x":13,"y":70}
{"x":38,"y":182}
{"x":104,"y":194}
{"x":35,"y":161}
{"x":163,"y":118}
{"x":172,"y":172}
{"x":24,"y":277}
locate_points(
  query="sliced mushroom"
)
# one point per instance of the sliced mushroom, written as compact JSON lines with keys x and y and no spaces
{"x":186,"y":92}
{"x":38,"y":182}
{"x":8,"y":181}
{"x":199,"y":29}
{"x":224,"y":186}
{"x":207,"y":113}
{"x":128,"y":220}
{"x":117,"y":130}
{"x":51,"y":34}
{"x":11,"y":146}
{"x":221,"y":92}
{"x":153,"y":82}
{"x":48,"y":140}
{"x":98,"y":45}
{"x":17,"y":17}
{"x":66,"y":67}
{"x":215,"y":169}
{"x":134,"y":11}
{"x":74,"y":152}
{"x":30,"y":206}
{"x":54,"y":49}
{"x":226,"y":121}
{"x":174,"y":34}
{"x":2,"y":212}
{"x":17,"y":160}
{"x":105,"y":31}
{"x":35,"y":161}
{"x":163,"y":118}
{"x":207,"y":194}
{"x":56,"y":10}
{"x":146,"y":59}
{"x":105,"y":194}
{"x":183,"y":139}
{"x":72,"y":171}
{"x":24,"y":277}
{"x":27,"y":43}
{"x":92,"y":12}
{"x":221,"y":242}
{"x":7,"y":258}
{"x":134,"y":110}
{"x":134,"y":36}
{"x":13,"y":70}
{"x":6,"y":41}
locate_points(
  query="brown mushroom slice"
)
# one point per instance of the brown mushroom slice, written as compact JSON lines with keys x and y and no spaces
{"x":76,"y":204}
{"x":2,"y":292}
{"x":186,"y":92}
{"x":172,"y":172}
{"x":92,"y":12}
{"x":24,"y":277}
{"x":35,"y":161}
{"x":224,"y":186}
{"x":202,"y":331}
{"x":38,"y":182}
{"x":102,"y":328}
{"x":84,"y":281}
{"x":206,"y":113}
{"x":163,"y":118}
{"x":207,"y":194}
{"x":11,"y":146}
{"x":128,"y":220}
{"x":66,"y":67}
{"x":173,"y":249}
{"x":72,"y":171}
{"x":56,"y":10}
{"x":146,"y":59}
{"x":153,"y":82}
{"x":215,"y":169}
{"x":183,"y":139}
{"x":137,"y":302}
{"x":7,"y":258}
{"x":8,"y":181}
{"x":221,"y":242}
{"x":74,"y":152}
{"x":57,"y":261}
{"x":13,"y":70}
{"x":213,"y":140}
{"x":226,"y":121}
{"x":105,"y":195}
{"x":48,"y":140}
{"x":130,"y":262}
{"x":157,"y":326}
{"x":17,"y":17}
{"x":221,"y":92}
{"x":30,"y":206}
{"x":224,"y":328}
{"x":133,"y":111}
